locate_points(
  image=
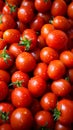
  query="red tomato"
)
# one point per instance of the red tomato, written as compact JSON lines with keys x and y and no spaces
{"x":57,"y":39}
{"x":28,"y":3}
{"x":1,"y":5}
{"x":25,"y":62}
{"x":3,"y":43}
{"x":63,"y":111}
{"x":61,"y":87}
{"x":15,"y":2}
{"x":48,"y":101}
{"x":21,"y":26}
{"x":48,"y":54}
{"x":41,"y":42}
{"x":59,"y":126}
{"x":11,"y":36}
{"x":19,"y":79}
{"x":36,"y":54}
{"x":56,"y":69}
{"x":6,"y":126}
{"x":70,"y":10}
{"x":21,"y":119}
{"x":4,"y":76}
{"x":21,"y":97}
{"x":70,"y":75}
{"x":3,"y":90}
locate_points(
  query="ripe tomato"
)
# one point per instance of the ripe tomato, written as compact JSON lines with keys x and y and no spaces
{"x":27,"y":3}
{"x":67,"y":58}
{"x":61,"y":87}
{"x":21,"y":26}
{"x":56,"y":69}
{"x":21,"y":97}
{"x":36,"y":54}
{"x":44,"y":119}
{"x":11,"y":36}
{"x":3,"y":43}
{"x":70,"y":10}
{"x":6,"y":126}
{"x":28,"y":39}
{"x":41,"y":42}
{"x":4,"y":76}
{"x":41,"y":70}
{"x":25,"y":62}
{"x":19,"y":79}
{"x":63,"y":111}
{"x":57,"y":39}
{"x":59,"y":7}
{"x":48,"y":101}
{"x":70,"y":75}
{"x":37,"y":86}
{"x":1,"y":5}
{"x":42,"y":6}
{"x":48,"y":54}
{"x":3,"y":90}
{"x":59,"y":126}
{"x":6,"y":110}
{"x":15,"y":2}
{"x":21,"y":119}
{"x":25,"y":14}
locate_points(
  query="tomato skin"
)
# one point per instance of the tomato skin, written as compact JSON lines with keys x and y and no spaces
{"x":6,"y":126}
{"x":70,"y":75}
{"x":57,"y":39}
{"x":48,"y":101}
{"x":36,"y":54}
{"x":1,"y":5}
{"x":41,"y":42}
{"x":70,"y":10}
{"x":24,"y":13}
{"x":42,"y":6}
{"x":59,"y":7}
{"x":59,"y":126}
{"x":67,"y":58}
{"x":11,"y":36}
{"x":25,"y":62}
{"x":37,"y":86}
{"x":44,"y":118}
{"x":41,"y":70}
{"x":3,"y":90}
{"x":27,"y":3}
{"x":61,"y":87}
{"x":21,"y":119}
{"x":19,"y":79}
{"x":15,"y":2}
{"x":4,"y":76}
{"x":21,"y":97}
{"x":65,"y":106}
{"x":56,"y":69}
{"x":3,"y":43}
{"x":48,"y":54}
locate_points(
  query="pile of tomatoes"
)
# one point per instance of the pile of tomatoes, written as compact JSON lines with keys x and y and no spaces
{"x":36,"y":65}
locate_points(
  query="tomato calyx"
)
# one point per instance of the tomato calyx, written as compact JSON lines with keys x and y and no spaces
{"x":17,"y":83}
{"x":0,"y":18}
{"x":56,"y":114}
{"x":5,"y":55}
{"x":25,"y":42}
{"x":4,"y":115}
{"x":12,"y":8}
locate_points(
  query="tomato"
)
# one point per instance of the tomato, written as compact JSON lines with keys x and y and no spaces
{"x":27,"y":3}
{"x":57,"y":39}
{"x":46,"y":29}
{"x":10,"y":9}
{"x":11,"y":36}
{"x":25,"y":62}
{"x":4,"y":76}
{"x":3,"y":90}
{"x":41,"y":70}
{"x":24,"y":13}
{"x":1,"y":34}
{"x":41,"y":41}
{"x":44,"y":119}
{"x":42,"y":6}
{"x":6,"y":22}
{"x":56,"y":69}
{"x":3,"y":43}
{"x":48,"y":54}
{"x":6,"y":59}
{"x":21,"y":97}
{"x":59,"y":126}
{"x":19,"y":79}
{"x":63,"y":111}
{"x":61,"y":23}
{"x":37,"y":86}
{"x":70,"y":75}
{"x":15,"y":2}
{"x":28,"y":39}
{"x":1,"y":5}
{"x":48,"y":101}
{"x":21,"y":119}
{"x":61,"y":87}
{"x":21,"y":26}
{"x":69,"y":10}
{"x":45,"y":16}
{"x":6,"y":126}
{"x":36,"y":54}
{"x":67,"y":58}
{"x":6,"y":110}
{"x":59,"y":7}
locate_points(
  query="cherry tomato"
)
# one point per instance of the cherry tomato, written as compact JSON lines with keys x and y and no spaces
{"x":1,"y":5}
{"x":21,"y":119}
{"x":56,"y":69}
{"x":19,"y":79}
{"x":37,"y":86}
{"x":70,"y":75}
{"x":36,"y":54}
{"x":6,"y":126}
{"x":21,"y":26}
{"x":70,"y":10}
{"x":59,"y":126}
{"x":25,"y":62}
{"x":61,"y":87}
{"x":15,"y":2}
{"x":41,"y":42}
{"x":3,"y":43}
{"x":4,"y":76}
{"x":48,"y":101}
{"x":21,"y":97}
{"x":27,"y":3}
